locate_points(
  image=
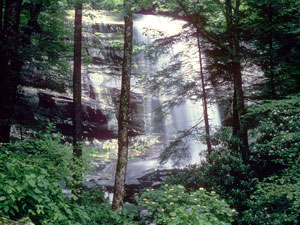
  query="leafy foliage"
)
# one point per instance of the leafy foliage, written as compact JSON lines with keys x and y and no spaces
{"x":25,"y":188}
{"x":101,"y":213}
{"x":276,"y":201}
{"x":29,"y":185}
{"x":224,"y":172}
{"x":277,"y":142}
{"x":174,"y":205}
{"x":265,"y":190}
{"x":31,"y":173}
{"x":272,"y":27}
{"x":275,"y":160}
{"x":46,"y":50}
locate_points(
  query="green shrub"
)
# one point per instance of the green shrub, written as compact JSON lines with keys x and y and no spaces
{"x":174,"y":205}
{"x":225,"y":173}
{"x":275,"y":152}
{"x":45,"y":150}
{"x":30,"y":171}
{"x":26,"y":189}
{"x":30,"y":176}
{"x":276,"y":135}
{"x":29,"y":187}
{"x":276,"y":201}
{"x":100,"y":212}
{"x":103,"y":214}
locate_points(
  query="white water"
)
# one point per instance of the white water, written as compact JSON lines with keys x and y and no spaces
{"x":186,"y":115}
{"x":147,"y":28}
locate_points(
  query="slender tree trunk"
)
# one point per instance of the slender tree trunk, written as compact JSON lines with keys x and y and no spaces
{"x":204,"y":98}
{"x":77,"y":108}
{"x":119,"y":188}
{"x":271,"y":61}
{"x":239,"y":129}
{"x":9,"y":65}
{"x":204,"y":102}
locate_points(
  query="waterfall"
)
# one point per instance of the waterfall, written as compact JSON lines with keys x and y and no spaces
{"x":187,"y":114}
{"x":102,"y":84}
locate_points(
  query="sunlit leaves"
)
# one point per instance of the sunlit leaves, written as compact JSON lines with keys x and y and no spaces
{"x":173,"y":204}
{"x":48,"y":52}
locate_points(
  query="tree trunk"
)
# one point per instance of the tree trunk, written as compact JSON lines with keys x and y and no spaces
{"x":271,"y":61}
{"x":77,"y":109}
{"x":204,"y":102}
{"x":239,"y":129}
{"x":204,"y":97}
{"x":9,"y":65}
{"x":119,"y":188}
{"x":24,"y":42}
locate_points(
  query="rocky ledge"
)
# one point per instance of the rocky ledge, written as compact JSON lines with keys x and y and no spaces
{"x":37,"y":107}
{"x":152,"y":179}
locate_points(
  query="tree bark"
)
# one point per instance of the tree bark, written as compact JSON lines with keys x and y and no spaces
{"x":239,"y":129}
{"x":119,"y":188}
{"x":77,"y":108}
{"x":271,"y":60}
{"x":204,"y":102}
{"x":9,"y":65}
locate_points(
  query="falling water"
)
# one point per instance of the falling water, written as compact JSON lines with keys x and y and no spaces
{"x":185,"y":115}
{"x":102,"y":80}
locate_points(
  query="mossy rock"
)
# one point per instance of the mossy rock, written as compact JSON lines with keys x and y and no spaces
{"x":23,"y":221}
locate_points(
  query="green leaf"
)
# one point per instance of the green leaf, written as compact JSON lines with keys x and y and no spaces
{"x":8,"y":165}
{"x":74,"y":197}
{"x":2,"y":198}
{"x":19,"y":188}
{"x":13,"y":197}
{"x":38,"y":191}
{"x":32,"y":183}
{"x":9,"y":190}
{"x":6,"y":208}
{"x":172,"y":214}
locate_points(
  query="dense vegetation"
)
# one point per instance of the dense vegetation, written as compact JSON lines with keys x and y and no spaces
{"x":251,"y":173}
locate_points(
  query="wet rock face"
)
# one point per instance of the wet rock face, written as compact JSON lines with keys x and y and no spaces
{"x":101,"y":83}
{"x":107,"y":28}
{"x":57,"y":108}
